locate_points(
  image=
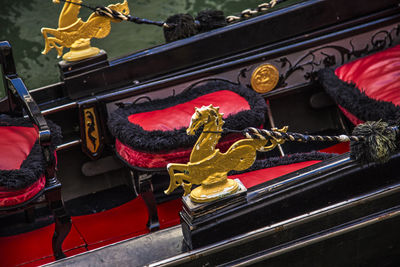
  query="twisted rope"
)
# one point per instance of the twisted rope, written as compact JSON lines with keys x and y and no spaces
{"x":372,"y":141}
{"x":254,"y":133}
{"x":247,"y":13}
{"x":108,"y":12}
{"x":113,"y":14}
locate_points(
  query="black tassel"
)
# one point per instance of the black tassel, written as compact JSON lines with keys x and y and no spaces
{"x":181,"y":26}
{"x":211,"y":19}
{"x":379,"y":143}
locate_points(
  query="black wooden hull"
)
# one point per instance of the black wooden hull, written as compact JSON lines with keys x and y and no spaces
{"x":340,"y":214}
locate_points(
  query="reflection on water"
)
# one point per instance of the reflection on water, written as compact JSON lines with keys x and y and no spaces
{"x":21,"y":22}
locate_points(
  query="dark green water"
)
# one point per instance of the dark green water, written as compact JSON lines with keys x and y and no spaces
{"x":21,"y":21}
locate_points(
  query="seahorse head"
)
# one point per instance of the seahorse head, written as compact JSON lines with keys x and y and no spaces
{"x":121,"y":7}
{"x":204,"y":115}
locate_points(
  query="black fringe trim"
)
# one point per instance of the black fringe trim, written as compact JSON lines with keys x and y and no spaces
{"x":355,"y":100}
{"x":34,"y":165}
{"x":156,"y":141}
{"x":286,"y":160}
{"x":6,"y":120}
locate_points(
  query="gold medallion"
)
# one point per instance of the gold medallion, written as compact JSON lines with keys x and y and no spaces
{"x":264,"y":78}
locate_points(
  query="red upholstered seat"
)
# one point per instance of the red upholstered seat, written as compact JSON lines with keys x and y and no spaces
{"x":21,"y":162}
{"x":367,"y":88}
{"x":153,"y":134}
{"x":178,"y":116}
{"x":378,"y":75}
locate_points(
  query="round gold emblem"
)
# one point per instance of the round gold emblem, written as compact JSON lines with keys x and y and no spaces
{"x":264,"y":78}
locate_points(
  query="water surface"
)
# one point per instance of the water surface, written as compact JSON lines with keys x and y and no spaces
{"x":21,"y":22}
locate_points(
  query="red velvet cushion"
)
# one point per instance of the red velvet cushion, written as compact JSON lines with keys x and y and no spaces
{"x":378,"y":75}
{"x":152,"y":134}
{"x":16,"y":143}
{"x":178,"y":116}
{"x":10,"y":197}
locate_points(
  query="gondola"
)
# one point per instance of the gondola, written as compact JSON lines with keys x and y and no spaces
{"x":320,"y":67}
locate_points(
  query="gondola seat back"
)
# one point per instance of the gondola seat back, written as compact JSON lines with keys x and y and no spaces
{"x":367,"y":89}
{"x":22,"y":164}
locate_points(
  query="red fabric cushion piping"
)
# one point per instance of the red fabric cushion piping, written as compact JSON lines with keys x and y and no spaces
{"x":160,"y":160}
{"x":14,"y":197}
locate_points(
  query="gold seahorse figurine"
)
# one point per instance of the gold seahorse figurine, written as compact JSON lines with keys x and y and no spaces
{"x":208,"y":166}
{"x":75,"y":34}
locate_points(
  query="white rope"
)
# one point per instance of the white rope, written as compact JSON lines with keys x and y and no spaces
{"x":247,"y":13}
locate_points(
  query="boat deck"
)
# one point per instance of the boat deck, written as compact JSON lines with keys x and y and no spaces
{"x":88,"y":232}
{"x":139,"y":251}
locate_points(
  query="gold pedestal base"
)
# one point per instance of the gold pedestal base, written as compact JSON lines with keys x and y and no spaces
{"x":206,"y":193}
{"x":81,"y":49}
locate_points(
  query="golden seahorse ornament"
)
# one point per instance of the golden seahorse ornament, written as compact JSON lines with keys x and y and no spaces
{"x":208,"y":166}
{"x":74,"y":33}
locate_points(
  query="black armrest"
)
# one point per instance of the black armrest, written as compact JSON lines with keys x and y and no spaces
{"x":18,"y":94}
{"x":20,"y":91}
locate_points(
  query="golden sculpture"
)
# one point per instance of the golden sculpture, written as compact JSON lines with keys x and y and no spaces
{"x":207,"y":165}
{"x":75,"y":34}
{"x":264,"y":78}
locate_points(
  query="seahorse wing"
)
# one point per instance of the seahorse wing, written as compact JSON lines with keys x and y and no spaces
{"x":241,"y":158}
{"x":98,"y":27}
{"x":73,"y":27}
